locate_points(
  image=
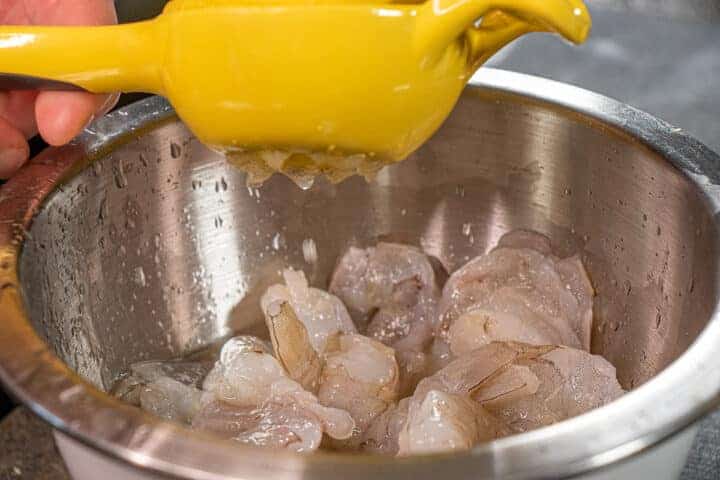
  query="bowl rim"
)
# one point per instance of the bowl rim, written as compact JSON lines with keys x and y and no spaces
{"x":677,"y":397}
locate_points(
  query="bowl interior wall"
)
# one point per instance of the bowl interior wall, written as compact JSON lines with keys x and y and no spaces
{"x":159,"y":248}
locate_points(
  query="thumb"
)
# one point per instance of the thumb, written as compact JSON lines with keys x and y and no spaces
{"x":62,"y":115}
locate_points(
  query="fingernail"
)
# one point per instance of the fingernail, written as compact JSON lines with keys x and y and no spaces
{"x":110,"y":101}
{"x":10,"y":160}
{"x":87,"y":124}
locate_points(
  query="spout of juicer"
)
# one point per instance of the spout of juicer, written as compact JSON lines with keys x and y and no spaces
{"x":441,"y":22}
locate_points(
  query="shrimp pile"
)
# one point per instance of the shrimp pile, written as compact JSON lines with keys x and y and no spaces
{"x":388,"y":361}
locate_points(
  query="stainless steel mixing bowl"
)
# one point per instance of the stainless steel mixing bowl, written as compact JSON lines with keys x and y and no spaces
{"x":138,"y":243}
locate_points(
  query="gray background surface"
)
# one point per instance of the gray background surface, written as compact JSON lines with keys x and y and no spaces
{"x":668,"y":68}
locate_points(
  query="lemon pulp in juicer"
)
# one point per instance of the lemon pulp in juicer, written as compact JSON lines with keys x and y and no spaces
{"x":303,"y":166}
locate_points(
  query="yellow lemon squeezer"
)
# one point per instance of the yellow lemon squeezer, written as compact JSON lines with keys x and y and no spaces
{"x":299,"y":86}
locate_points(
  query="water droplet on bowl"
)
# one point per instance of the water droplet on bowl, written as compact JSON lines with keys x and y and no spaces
{"x":119,"y":174}
{"x":175,"y":150}
{"x":139,"y":276}
{"x":309,"y":250}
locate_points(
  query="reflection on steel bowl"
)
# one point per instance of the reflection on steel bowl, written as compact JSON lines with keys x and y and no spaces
{"x":137,"y":243}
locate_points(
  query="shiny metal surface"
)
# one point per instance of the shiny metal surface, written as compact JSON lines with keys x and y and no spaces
{"x":158,"y":248}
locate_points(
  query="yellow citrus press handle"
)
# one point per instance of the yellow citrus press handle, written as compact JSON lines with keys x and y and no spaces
{"x":443,"y":21}
{"x":99,"y":59}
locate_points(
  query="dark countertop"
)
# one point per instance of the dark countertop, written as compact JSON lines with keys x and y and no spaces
{"x":28,"y":450}
{"x":669,"y":69}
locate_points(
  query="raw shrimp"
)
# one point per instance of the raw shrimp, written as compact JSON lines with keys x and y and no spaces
{"x":528,"y":386}
{"x":517,"y":386}
{"x":382,"y":435}
{"x":246,"y":397}
{"x":265,"y":407}
{"x":526,"y":239}
{"x":517,"y":292}
{"x":129,"y":387}
{"x":171,"y":400}
{"x":322,"y":314}
{"x":292,"y":345}
{"x":442,"y":414}
{"x":288,"y":425}
{"x":508,"y":342}
{"x":244,"y":378}
{"x":505,"y":317}
{"x":171,"y":389}
{"x":361,"y":377}
{"x":445,"y":422}
{"x":540,"y":390}
{"x":391,"y":292}
{"x":355,"y":373}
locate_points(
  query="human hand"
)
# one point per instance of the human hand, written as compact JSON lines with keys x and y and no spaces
{"x":57,"y":116}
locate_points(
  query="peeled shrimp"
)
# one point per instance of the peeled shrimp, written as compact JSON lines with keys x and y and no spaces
{"x":513,"y":387}
{"x":491,"y":338}
{"x":391,"y":291}
{"x":528,"y":386}
{"x":253,"y":388}
{"x":543,"y":389}
{"x":171,"y":400}
{"x":361,"y":377}
{"x":443,"y":416}
{"x":383,"y":433}
{"x":292,"y":345}
{"x":354,"y":373}
{"x":129,"y":387}
{"x":322,"y":314}
{"x":288,"y":425}
{"x":445,"y":422}
{"x":517,"y":292}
